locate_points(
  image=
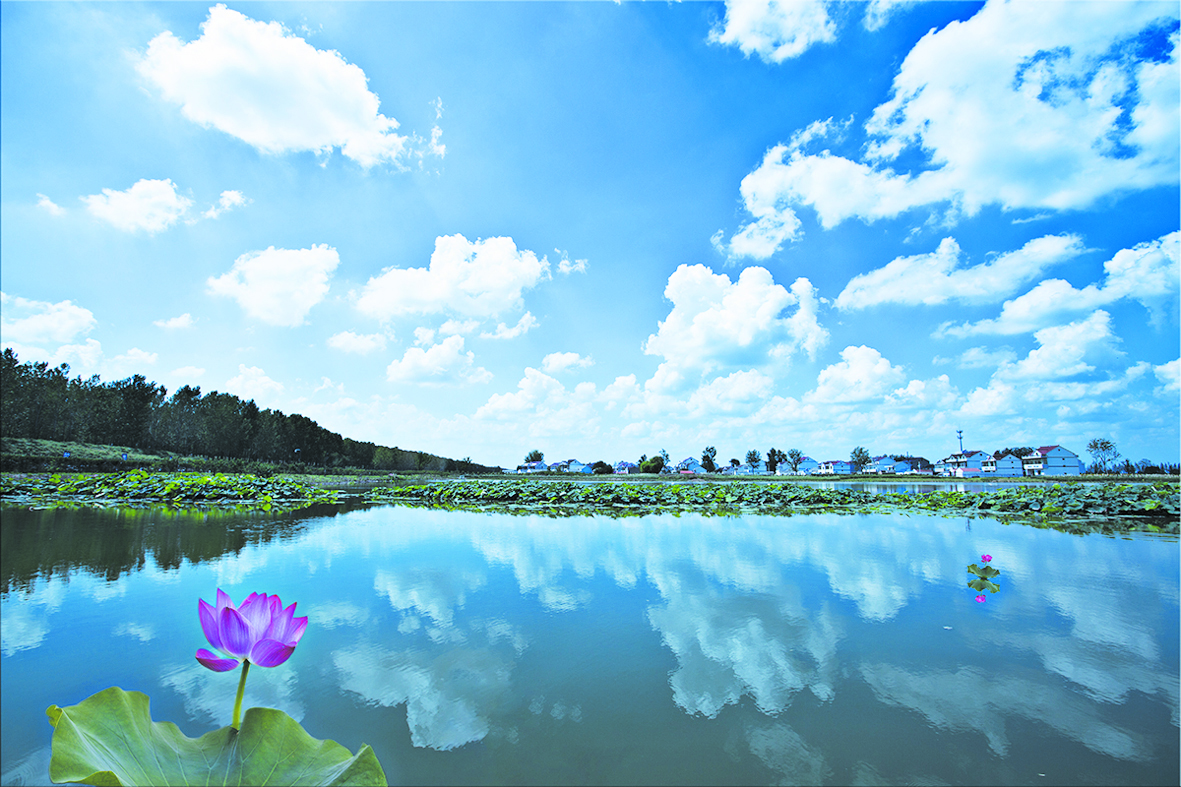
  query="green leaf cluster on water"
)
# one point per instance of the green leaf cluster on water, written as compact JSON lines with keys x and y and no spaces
{"x":1106,"y":508}
{"x":233,"y":490}
{"x":110,"y":739}
{"x":984,"y":576}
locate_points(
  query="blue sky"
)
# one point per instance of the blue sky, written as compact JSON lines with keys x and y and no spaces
{"x":603,"y":229}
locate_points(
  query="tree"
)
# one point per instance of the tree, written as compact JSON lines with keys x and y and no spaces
{"x":707,"y":458}
{"x":534,"y":456}
{"x":734,"y":462}
{"x":794,"y":457}
{"x":1019,"y":452}
{"x":653,"y":465}
{"x":1103,"y":453}
{"x":753,"y":457}
{"x":774,"y":457}
{"x":602,"y":468}
{"x":859,"y":459}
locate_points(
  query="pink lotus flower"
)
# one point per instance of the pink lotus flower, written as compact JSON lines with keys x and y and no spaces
{"x":260,"y":631}
{"x":986,"y":558}
{"x":980,"y":599}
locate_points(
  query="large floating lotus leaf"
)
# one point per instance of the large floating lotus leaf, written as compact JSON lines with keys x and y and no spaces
{"x":110,"y":739}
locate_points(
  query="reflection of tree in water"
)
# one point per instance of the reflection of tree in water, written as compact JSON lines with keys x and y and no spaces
{"x":116,"y":541}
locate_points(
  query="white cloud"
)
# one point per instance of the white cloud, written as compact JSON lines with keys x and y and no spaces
{"x":776,"y":30}
{"x":278,"y":286}
{"x":40,"y":322}
{"x":135,"y":357}
{"x":1148,"y":273}
{"x":1023,"y":106}
{"x":1066,"y":350}
{"x":228,"y":201}
{"x":739,"y":391}
{"x":567,"y":267}
{"x":445,"y":362}
{"x":149,"y":205}
{"x":715,"y":322}
{"x":480,"y":279}
{"x":940,"y":276}
{"x":361,"y":344}
{"x":542,"y":407}
{"x":862,"y":374}
{"x":252,"y":383}
{"x":878,"y":12}
{"x":188,"y":372}
{"x":983,"y":358}
{"x":271,"y":89}
{"x":175,"y":323}
{"x":560,"y":362}
{"x":527,"y":323}
{"x":1170,"y":376}
{"x":463,"y":327}
{"x":45,"y":203}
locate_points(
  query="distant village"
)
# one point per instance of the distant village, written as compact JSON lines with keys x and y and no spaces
{"x":1049,"y":460}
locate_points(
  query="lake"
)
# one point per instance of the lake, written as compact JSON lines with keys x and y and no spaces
{"x":473,"y":648}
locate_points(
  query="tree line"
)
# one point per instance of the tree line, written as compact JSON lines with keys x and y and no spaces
{"x":42,"y":402}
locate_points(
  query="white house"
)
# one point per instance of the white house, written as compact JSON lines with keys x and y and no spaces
{"x":881,"y":465}
{"x":1051,"y":460}
{"x":689,"y":465}
{"x":623,"y":468}
{"x":532,"y":467}
{"x":833,"y":467}
{"x":967,"y":464}
{"x":756,"y":468}
{"x":574,"y":466}
{"x":1007,"y":466}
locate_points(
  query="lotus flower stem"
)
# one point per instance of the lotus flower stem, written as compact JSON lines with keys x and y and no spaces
{"x":241,"y":691}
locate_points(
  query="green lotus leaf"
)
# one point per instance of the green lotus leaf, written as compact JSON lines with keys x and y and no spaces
{"x":110,"y":739}
{"x":983,"y":584}
{"x":985,"y":572}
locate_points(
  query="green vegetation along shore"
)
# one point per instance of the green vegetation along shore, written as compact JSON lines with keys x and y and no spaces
{"x":1107,"y":508}
{"x":1075,"y":507}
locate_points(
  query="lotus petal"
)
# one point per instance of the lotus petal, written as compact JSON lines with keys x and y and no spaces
{"x":270,"y":653}
{"x":215,"y":662}
{"x":208,"y":616}
{"x":235,"y":632}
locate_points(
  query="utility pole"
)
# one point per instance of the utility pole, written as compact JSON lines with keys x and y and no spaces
{"x":960,"y":434}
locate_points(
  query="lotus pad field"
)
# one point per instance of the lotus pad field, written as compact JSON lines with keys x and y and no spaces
{"x":1107,"y":508}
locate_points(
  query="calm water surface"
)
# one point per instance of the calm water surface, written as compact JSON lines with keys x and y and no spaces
{"x":485,"y":648}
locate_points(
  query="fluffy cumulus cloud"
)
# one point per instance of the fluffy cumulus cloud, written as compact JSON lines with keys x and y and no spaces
{"x":252,"y":383}
{"x":271,"y":89}
{"x":542,"y":407}
{"x":1023,"y":106}
{"x":527,"y":323}
{"x":149,"y":205}
{"x":361,"y":344}
{"x":278,"y":286}
{"x":442,"y":363}
{"x":560,"y":362}
{"x":1074,"y":361}
{"x":716,"y":322}
{"x":24,"y":321}
{"x":1148,"y":273}
{"x":478,"y":279}
{"x":941,"y":276}
{"x":176,"y":323}
{"x":48,"y":205}
{"x":862,"y":374}
{"x":227,"y":201}
{"x":775,"y":30}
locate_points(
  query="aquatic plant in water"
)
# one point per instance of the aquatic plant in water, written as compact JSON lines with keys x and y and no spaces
{"x":110,"y":738}
{"x":984,"y":576}
{"x":260,"y":632}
